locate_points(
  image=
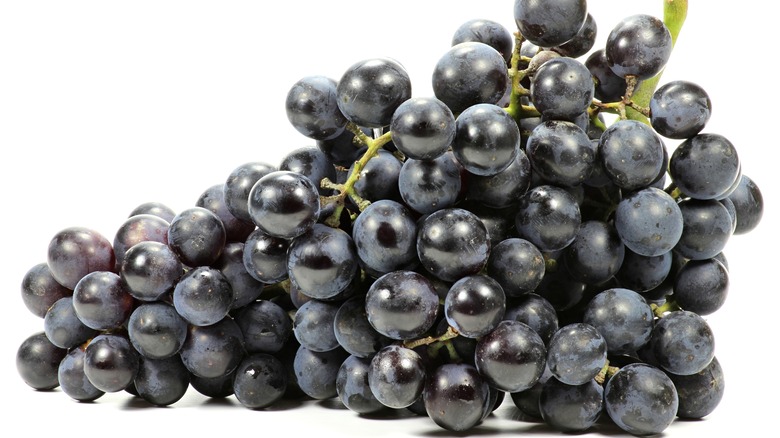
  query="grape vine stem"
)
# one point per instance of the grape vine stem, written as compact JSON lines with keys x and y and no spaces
{"x":348,"y":188}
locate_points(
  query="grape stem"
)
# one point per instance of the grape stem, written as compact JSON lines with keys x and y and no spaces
{"x":516,"y":109}
{"x":669,"y":306}
{"x":606,"y":373}
{"x":428,"y":340}
{"x":348,"y":188}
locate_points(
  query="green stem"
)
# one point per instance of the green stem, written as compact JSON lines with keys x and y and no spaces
{"x":669,"y":306}
{"x":449,"y":334}
{"x":675,"y":12}
{"x":348,"y":188}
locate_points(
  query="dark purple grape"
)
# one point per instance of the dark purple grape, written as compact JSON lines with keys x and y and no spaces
{"x":581,"y":43}
{"x":101,"y":301}
{"x":150,"y":270}
{"x":371,"y":90}
{"x":537,"y":313}
{"x":203,"y":296}
{"x":622,"y":317}
{"x":312,"y":108}
{"x":511,"y":357}
{"x":402,"y":305}
{"x":238,"y":185}
{"x":499,"y":223}
{"x":214,"y":387}
{"x":214,"y":350}
{"x":455,"y":396}
{"x":197,"y":236}
{"x":683,"y":343}
{"x":699,"y":394}
{"x":452,"y":243}
{"x":63,"y":327}
{"x":378,"y":180}
{"x":265,"y":326}
{"x":642,"y":273}
{"x":488,"y":32}
{"x":430,"y":185}
{"x":609,"y":87}
{"x":649,"y":222}
{"x":596,"y":253}
{"x":749,"y":205}
{"x":576,"y":353}
{"x":550,"y":23}
{"x":156,"y":330}
{"x":562,"y":89}
{"x":548,"y":217}
{"x":561,"y":153}
{"x":701,"y":286}
{"x":75,"y":252}
{"x":40,"y":290}
{"x":322,"y":262}
{"x":155,"y":209}
{"x":246,"y":288}
{"x":705,"y":166}
{"x":313,"y":326}
{"x":423,"y":128}
{"x":475,"y":305}
{"x":37,"y":361}
{"x":503,"y":189}
{"x":352,"y":386}
{"x":312,"y":163}
{"x":528,"y":401}
{"x":162,"y":382}
{"x":571,"y":408}
{"x":706,"y":229}
{"x":632,"y":154}
{"x":265,"y":257}
{"x":680,"y":109}
{"x":136,"y":229}
{"x":213,"y":199}
{"x":342,"y":150}
{"x":486,"y":139}
{"x":260,"y":381}
{"x":641,"y":399}
{"x":111,"y":363}
{"x":385,"y":234}
{"x":284,"y":204}
{"x":396,"y":376}
{"x":316,"y":372}
{"x":640,"y":45}
{"x":470,"y":73}
{"x":354,"y":332}
{"x":73,"y":382}
{"x":517,"y":265}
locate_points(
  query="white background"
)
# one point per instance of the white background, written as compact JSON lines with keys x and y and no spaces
{"x":105,"y":105}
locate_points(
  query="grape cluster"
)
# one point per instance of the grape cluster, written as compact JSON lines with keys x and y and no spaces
{"x":525,"y":231}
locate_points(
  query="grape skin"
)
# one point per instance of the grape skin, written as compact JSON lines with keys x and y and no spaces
{"x":37,"y":361}
{"x":641,"y":399}
{"x":640,"y":45}
{"x":649,"y":222}
{"x":40,"y":290}
{"x":470,"y":73}
{"x":551,"y":23}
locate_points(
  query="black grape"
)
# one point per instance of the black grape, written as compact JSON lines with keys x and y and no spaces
{"x":370,"y":91}
{"x":38,"y":360}
{"x":260,"y":381}
{"x":75,"y":252}
{"x":641,"y":399}
{"x":312,"y":108}
{"x":40,"y":290}
{"x":470,"y":73}
{"x":197,"y":236}
{"x":640,"y":45}
{"x":111,"y":363}
{"x":452,"y":243}
{"x":552,"y":23}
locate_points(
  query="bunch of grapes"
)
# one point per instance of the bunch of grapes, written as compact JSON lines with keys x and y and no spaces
{"x":525,"y":231}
